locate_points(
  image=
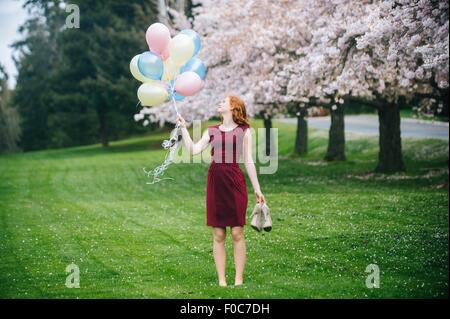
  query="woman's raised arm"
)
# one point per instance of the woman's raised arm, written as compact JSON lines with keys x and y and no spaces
{"x":193,"y":148}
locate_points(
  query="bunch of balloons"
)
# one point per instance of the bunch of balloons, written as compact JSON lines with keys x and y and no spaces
{"x":170,"y":70}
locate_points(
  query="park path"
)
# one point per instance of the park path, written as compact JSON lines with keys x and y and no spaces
{"x":368,"y":125}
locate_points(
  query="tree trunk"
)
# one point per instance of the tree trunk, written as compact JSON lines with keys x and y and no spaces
{"x":103,"y":129}
{"x":336,"y":139}
{"x":390,"y":158}
{"x":268,"y":126}
{"x":301,"y":138}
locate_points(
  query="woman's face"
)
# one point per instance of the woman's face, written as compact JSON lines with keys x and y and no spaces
{"x":224,"y":106}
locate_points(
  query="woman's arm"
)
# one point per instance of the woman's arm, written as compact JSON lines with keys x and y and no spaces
{"x":250,"y":167}
{"x":193,"y":148}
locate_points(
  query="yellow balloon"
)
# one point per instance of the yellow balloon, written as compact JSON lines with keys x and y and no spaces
{"x":152,"y":94}
{"x":181,"y":49}
{"x":170,"y":70}
{"x":135,"y":71}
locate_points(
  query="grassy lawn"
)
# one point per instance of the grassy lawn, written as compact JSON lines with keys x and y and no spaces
{"x":92,"y":206}
{"x":408,"y":113}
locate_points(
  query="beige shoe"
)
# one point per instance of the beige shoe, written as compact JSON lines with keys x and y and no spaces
{"x":267,"y":220}
{"x":261,"y":218}
{"x":257,"y":222}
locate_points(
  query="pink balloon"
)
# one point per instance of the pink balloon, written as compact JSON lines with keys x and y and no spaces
{"x":158,"y":37}
{"x":188,"y":83}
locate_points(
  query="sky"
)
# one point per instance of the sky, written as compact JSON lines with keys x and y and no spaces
{"x":12,"y":15}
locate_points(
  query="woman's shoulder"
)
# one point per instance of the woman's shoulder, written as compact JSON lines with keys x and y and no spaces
{"x":211,"y":129}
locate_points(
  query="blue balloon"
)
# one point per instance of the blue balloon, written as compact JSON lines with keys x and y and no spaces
{"x":151,"y":65}
{"x":195,"y":65}
{"x":195,"y":37}
{"x":178,"y":97}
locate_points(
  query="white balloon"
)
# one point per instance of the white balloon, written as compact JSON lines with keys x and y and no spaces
{"x":181,"y":49}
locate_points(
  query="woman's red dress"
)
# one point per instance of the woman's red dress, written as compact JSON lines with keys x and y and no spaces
{"x":226,"y":190}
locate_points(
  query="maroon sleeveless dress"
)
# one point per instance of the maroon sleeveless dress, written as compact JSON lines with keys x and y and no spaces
{"x":226,"y":190}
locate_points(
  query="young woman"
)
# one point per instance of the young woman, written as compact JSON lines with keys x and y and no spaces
{"x":226,"y":191}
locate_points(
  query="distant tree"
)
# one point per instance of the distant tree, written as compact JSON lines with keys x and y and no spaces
{"x":34,"y":65}
{"x":9,"y":117}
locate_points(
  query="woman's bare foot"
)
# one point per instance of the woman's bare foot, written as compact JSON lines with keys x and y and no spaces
{"x":238,"y":282}
{"x":222,"y":284}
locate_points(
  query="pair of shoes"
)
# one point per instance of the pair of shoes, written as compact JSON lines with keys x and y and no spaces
{"x":261,"y":218}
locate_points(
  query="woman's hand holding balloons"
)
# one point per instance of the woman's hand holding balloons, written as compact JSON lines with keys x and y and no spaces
{"x":171,"y":69}
{"x":181,"y":121}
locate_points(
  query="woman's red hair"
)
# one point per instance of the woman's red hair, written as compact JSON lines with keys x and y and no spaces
{"x":238,"y":110}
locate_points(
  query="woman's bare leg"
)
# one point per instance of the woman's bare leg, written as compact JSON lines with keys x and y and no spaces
{"x":237,"y":233}
{"x":219,"y":253}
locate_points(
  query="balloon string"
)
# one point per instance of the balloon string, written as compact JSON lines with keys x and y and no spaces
{"x":172,"y":89}
{"x":171,"y":144}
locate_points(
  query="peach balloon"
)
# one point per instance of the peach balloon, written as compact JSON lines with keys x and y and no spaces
{"x":188,"y":83}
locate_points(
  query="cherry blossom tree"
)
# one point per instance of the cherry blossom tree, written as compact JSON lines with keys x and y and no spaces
{"x":381,"y":52}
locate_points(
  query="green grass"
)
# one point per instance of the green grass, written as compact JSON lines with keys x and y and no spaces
{"x":92,"y":206}
{"x":409,"y":113}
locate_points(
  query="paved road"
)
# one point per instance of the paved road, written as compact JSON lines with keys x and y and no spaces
{"x":368,"y":125}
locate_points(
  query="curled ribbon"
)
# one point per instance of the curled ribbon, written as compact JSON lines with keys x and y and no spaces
{"x":171,"y":145}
